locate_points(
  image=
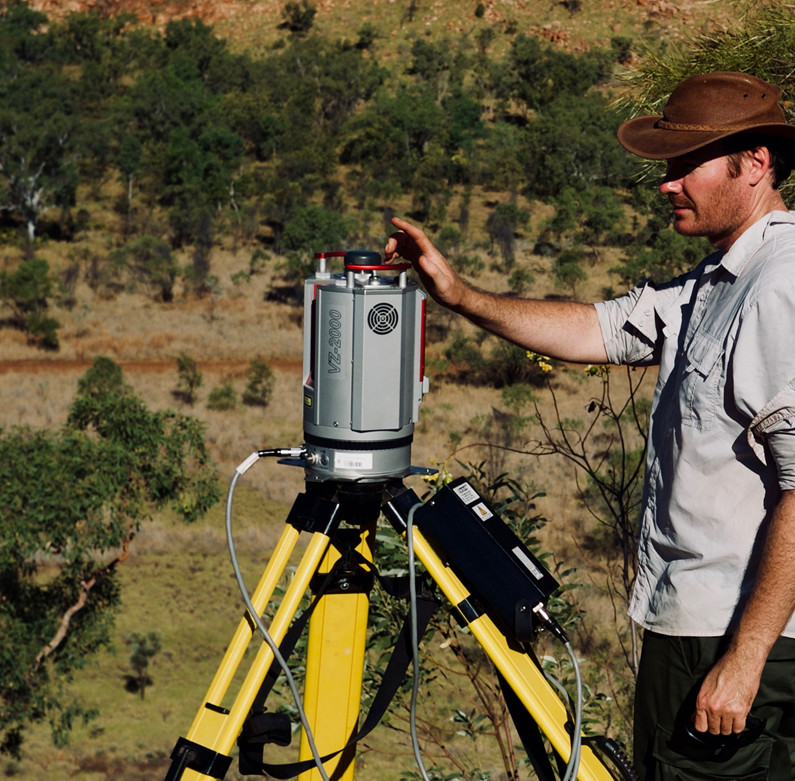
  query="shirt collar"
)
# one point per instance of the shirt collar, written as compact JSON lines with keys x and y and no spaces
{"x":743,"y":249}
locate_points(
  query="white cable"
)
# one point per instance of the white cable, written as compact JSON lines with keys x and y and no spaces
{"x":239,"y":472}
{"x":576,"y":738}
{"x":415,"y":640}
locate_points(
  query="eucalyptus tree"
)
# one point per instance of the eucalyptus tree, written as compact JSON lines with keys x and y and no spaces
{"x":73,"y":499}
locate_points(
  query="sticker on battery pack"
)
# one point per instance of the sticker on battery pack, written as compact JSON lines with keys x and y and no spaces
{"x":482,"y":511}
{"x":466,"y":493}
{"x":522,"y":556}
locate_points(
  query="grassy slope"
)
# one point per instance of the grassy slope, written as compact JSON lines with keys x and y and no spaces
{"x":178,"y":581}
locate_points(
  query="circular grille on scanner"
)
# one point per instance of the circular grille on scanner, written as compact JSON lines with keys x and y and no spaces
{"x":383,"y":318}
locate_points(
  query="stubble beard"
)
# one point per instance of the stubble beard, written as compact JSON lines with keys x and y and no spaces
{"x":719,"y":216}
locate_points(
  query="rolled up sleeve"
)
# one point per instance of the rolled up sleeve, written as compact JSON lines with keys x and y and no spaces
{"x":628,"y":326}
{"x":764,"y":378}
{"x":771,"y":435}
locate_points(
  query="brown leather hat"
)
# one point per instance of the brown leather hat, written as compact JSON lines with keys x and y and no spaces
{"x":702,"y":109}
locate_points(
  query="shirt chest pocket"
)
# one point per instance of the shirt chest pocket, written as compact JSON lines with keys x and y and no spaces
{"x":702,"y":385}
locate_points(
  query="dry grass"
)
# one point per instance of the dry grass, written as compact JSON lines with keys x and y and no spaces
{"x":254,"y":26}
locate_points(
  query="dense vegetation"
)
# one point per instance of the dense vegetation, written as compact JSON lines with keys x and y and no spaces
{"x":308,"y":146}
{"x":290,"y":152}
{"x":200,"y":133}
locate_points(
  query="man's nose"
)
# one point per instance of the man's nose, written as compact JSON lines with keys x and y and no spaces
{"x":670,"y":185}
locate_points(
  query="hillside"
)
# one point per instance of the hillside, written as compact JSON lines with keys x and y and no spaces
{"x":572,"y":24}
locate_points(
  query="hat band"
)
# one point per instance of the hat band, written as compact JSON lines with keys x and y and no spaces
{"x":665,"y":125}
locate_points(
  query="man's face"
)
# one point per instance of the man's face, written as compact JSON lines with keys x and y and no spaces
{"x":706,"y":200}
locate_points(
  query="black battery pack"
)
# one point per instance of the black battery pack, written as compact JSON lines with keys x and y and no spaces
{"x":505,"y":578}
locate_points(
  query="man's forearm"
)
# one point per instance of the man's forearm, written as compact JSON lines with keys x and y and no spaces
{"x":560,"y":329}
{"x":729,"y":689}
{"x":772,"y":599}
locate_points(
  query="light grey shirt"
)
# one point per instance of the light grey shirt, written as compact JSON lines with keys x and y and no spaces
{"x":722,"y":431}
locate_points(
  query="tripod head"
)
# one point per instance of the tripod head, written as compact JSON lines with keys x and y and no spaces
{"x":363,"y":368}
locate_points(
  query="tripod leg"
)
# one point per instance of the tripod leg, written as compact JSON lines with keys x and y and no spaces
{"x":242,"y":637}
{"x":215,"y":729}
{"x":334,"y":664}
{"x":524,"y":677}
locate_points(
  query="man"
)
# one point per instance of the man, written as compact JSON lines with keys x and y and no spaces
{"x":715,"y":589}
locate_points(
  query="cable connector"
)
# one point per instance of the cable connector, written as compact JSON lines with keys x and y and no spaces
{"x":553,"y":626}
{"x":244,"y":466}
{"x":280,"y":452}
{"x":283,"y":452}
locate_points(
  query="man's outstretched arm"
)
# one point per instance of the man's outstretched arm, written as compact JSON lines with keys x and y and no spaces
{"x":566,"y":330}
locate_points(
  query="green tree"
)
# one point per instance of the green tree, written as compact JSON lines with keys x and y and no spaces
{"x":502,"y":225}
{"x":73,"y":500}
{"x":393,"y":133}
{"x":37,"y":157}
{"x":150,"y":261}
{"x":105,"y":378}
{"x":143,"y":647}
{"x":314,"y":229}
{"x":498,"y":160}
{"x":568,"y":269}
{"x":222,"y":398}
{"x":572,"y":143}
{"x":298,"y":17}
{"x":23,"y":36}
{"x":189,"y":155}
{"x":439,"y":64}
{"x":591,"y":216}
{"x":189,"y":379}
{"x":26,"y":291}
{"x":535,"y":74}
{"x":259,"y":384}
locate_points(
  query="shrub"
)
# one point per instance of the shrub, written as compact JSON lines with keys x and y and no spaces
{"x":260,"y":384}
{"x":222,"y":398}
{"x":189,"y":379}
{"x":26,"y":291}
{"x":150,"y":261}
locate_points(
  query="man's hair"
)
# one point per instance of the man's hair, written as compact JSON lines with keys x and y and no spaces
{"x":782,"y":160}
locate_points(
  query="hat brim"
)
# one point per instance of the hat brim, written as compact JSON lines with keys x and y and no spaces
{"x":642,"y":137}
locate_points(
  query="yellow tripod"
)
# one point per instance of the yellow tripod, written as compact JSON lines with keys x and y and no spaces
{"x":338,"y":624}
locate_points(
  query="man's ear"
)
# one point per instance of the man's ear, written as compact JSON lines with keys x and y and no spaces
{"x":759,"y":164}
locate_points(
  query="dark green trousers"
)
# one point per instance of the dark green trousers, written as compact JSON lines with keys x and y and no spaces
{"x":670,"y":675}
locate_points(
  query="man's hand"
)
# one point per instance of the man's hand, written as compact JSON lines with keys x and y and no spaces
{"x":727,"y":693}
{"x":439,"y":278}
